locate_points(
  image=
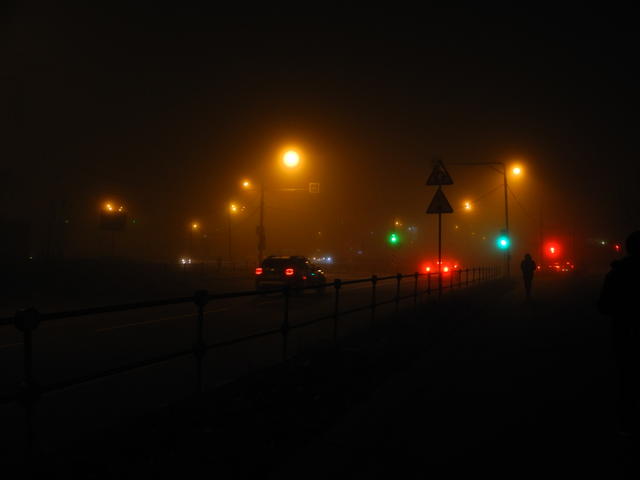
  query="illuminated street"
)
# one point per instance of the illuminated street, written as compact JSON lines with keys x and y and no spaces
{"x":313,"y":241}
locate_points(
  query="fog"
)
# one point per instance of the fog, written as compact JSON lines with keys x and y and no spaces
{"x":166,"y":113}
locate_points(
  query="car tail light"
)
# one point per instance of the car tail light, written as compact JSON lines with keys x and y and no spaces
{"x":445,"y":269}
{"x":288,"y":272}
{"x":259,"y":271}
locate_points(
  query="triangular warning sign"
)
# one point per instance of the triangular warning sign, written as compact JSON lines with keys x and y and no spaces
{"x":439,"y":203}
{"x":439,"y":175}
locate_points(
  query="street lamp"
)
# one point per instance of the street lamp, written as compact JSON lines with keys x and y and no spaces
{"x":233,"y":209}
{"x":195,"y":226}
{"x":290,"y":159}
{"x":113,"y":218}
{"x":506,"y":244}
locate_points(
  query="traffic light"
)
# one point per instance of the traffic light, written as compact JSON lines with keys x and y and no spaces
{"x":393,"y":238}
{"x":552,"y":249}
{"x":503,"y":242}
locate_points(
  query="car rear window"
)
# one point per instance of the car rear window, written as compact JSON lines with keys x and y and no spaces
{"x":279,"y":263}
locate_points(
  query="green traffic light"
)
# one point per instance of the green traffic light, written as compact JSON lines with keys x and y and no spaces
{"x":393,"y":238}
{"x":503,"y":242}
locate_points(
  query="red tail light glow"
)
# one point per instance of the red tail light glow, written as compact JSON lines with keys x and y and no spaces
{"x":445,"y":269}
{"x":259,"y":271}
{"x":288,"y":272}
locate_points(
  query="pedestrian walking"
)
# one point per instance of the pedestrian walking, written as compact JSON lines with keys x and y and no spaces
{"x":528,"y":266}
{"x":619,"y":299}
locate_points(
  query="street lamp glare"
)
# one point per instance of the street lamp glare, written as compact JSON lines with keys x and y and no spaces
{"x":246,"y":184}
{"x":195,"y":226}
{"x":291,"y":159}
{"x":516,"y":170}
{"x":467,"y":206}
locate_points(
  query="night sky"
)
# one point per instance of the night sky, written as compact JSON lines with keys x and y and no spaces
{"x":167,"y":109}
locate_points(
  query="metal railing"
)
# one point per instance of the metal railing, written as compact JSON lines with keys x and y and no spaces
{"x":27,"y":320}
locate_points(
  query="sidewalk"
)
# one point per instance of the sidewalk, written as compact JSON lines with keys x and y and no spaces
{"x":517,"y":391}
{"x":480,"y":383}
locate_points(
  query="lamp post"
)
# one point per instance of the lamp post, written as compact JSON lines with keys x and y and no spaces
{"x":291,"y":159}
{"x":233,"y":209}
{"x":503,"y":171}
{"x":113,"y":218}
{"x":194,"y":228}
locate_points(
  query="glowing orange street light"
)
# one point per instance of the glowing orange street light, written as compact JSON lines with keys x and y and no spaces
{"x":246,"y":184}
{"x":516,"y":170}
{"x":110,"y":208}
{"x":194,"y":227}
{"x":291,"y":159}
{"x":467,"y":206}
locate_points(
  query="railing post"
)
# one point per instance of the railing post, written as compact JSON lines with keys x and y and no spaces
{"x":200,"y":298}
{"x":429,"y":283}
{"x":374,"y":280}
{"x":467,"y":277}
{"x":473,"y":281}
{"x":29,"y":392}
{"x":459,"y":277}
{"x":415,"y":290}
{"x":285,"y":324}
{"x":336,"y":305}
{"x":398,"y":280}
{"x":451,"y":279}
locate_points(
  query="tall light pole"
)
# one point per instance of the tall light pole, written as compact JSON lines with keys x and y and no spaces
{"x":291,"y":159}
{"x":262,"y":236}
{"x":233,"y":209}
{"x":194,"y":228}
{"x":503,"y":171}
{"x":507,"y":251}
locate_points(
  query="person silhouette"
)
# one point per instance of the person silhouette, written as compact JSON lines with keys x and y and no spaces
{"x":528,"y":266}
{"x":619,"y":300}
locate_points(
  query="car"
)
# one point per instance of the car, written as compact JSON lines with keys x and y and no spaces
{"x":296,"y":272}
{"x":447,"y":266}
{"x":565,"y":266}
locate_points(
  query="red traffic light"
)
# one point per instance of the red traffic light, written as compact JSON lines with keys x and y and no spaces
{"x":552,"y":249}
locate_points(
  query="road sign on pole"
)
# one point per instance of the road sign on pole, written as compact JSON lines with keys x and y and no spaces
{"x":439,"y":203}
{"x":439,"y":175}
